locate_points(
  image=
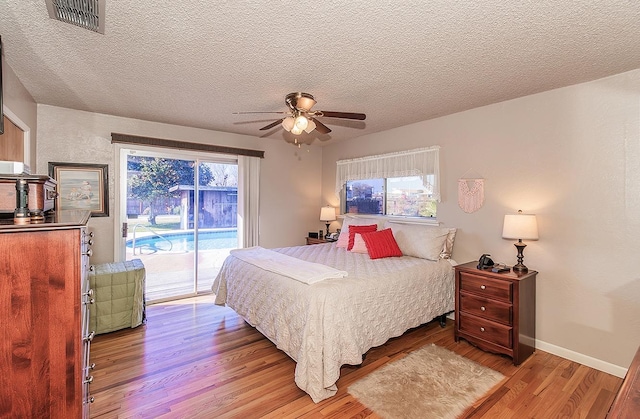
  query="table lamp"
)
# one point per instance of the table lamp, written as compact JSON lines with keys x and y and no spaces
{"x":327,"y":214}
{"x":520,"y":226}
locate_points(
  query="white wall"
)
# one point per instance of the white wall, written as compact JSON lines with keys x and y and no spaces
{"x":571,"y":156}
{"x":289,"y":185}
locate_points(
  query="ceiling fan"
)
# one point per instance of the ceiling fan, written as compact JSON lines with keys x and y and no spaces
{"x":300,"y":118}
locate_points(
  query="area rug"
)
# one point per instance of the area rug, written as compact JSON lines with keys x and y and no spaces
{"x":431,"y":382}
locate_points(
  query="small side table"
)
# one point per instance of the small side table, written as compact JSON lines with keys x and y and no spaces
{"x":311,"y":240}
{"x":496,"y":311}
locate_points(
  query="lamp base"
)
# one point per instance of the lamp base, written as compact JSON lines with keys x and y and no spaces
{"x":519,"y":268}
{"x":327,"y":235}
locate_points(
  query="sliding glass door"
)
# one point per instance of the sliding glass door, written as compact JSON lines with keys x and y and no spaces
{"x":181,"y":229}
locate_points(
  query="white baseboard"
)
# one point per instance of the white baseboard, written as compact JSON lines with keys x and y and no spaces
{"x":582,"y":359}
{"x":586,"y":360}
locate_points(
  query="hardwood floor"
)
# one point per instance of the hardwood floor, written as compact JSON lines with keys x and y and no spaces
{"x":196,"y":360}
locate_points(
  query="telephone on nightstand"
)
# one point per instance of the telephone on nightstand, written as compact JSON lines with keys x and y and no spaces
{"x":333,"y":236}
{"x":485,"y":262}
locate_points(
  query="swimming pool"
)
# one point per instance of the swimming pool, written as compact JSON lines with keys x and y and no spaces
{"x":183,"y":241}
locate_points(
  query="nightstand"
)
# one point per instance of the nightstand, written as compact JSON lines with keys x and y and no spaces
{"x":496,"y":311}
{"x":311,"y":240}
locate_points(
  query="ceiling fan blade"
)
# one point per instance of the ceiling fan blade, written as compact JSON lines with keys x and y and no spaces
{"x":320,"y":127}
{"x":271,"y":125}
{"x":345,"y":115}
{"x":247,"y":113}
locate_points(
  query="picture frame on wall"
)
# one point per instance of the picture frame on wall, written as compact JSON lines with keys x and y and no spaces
{"x":81,"y":187}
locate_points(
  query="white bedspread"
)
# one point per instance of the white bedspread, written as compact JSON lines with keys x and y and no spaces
{"x":298,"y":269}
{"x":331,"y":323}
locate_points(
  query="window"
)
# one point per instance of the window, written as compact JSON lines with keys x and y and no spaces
{"x":406,"y":196}
{"x":405,"y":183}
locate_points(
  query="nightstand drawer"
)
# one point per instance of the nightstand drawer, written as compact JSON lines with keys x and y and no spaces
{"x":486,"y":287}
{"x":486,"y":308}
{"x":486,"y":330}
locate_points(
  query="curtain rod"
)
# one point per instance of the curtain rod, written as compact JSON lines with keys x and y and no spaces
{"x":183,"y":145}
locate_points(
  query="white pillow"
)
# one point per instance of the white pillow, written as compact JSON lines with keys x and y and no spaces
{"x":421,"y":241}
{"x":343,"y":238}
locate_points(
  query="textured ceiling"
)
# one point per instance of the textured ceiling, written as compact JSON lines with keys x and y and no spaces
{"x":194,"y":62}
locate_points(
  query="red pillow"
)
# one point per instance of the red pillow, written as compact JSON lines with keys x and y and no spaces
{"x":359,"y":229}
{"x":381,"y":244}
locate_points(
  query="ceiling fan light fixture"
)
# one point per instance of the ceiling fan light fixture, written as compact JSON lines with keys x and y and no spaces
{"x":310,"y":127}
{"x":301,"y":122}
{"x":288,"y":123}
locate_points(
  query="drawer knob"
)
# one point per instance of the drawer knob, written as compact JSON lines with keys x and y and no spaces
{"x":482,"y":287}
{"x":483,"y":308}
{"x":482,"y":329}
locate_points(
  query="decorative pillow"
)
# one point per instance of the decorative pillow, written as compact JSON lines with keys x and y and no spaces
{"x":359,"y":245}
{"x":418,"y":240}
{"x":343,"y":238}
{"x":359,"y":229}
{"x":381,"y":244}
{"x":448,"y":244}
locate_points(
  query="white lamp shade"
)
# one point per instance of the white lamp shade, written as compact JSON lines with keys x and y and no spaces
{"x":327,"y":214}
{"x":520,"y":226}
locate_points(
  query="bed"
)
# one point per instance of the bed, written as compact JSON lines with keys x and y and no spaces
{"x":333,"y":322}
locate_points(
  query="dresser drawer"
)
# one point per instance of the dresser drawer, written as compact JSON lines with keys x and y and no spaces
{"x":486,"y":308}
{"x":487,"y":287}
{"x":486,"y":330}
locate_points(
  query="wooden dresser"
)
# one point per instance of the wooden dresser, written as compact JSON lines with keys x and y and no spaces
{"x":626,"y":405}
{"x":496,"y":311}
{"x":44,"y":341}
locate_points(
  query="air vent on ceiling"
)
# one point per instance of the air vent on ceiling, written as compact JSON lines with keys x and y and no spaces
{"x":88,"y":14}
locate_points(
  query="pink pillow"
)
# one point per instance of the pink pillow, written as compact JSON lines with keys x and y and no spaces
{"x":358,"y":244}
{"x":343,"y":238}
{"x":381,"y":244}
{"x":359,"y":229}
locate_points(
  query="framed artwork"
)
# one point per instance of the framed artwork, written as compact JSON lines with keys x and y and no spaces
{"x":81,"y":187}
